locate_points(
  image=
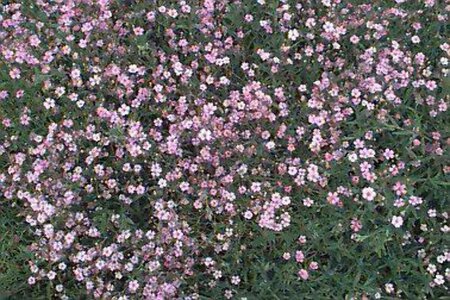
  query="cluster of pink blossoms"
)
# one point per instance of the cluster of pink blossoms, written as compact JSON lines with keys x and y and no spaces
{"x":150,"y":146}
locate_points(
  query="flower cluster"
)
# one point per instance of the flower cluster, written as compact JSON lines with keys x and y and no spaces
{"x":226,"y":148}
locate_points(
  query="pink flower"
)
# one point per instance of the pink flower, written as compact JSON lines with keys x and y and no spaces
{"x":399,"y":188}
{"x":248,"y":215}
{"x":354,"y":39}
{"x":388,"y":154}
{"x":333,"y":198}
{"x":138,"y":31}
{"x":431,"y":85}
{"x":355,"y":225}
{"x":299,"y":256}
{"x":313,"y":265}
{"x":14,"y":73}
{"x":303,"y":274}
{"x":133,"y":286}
{"x":302,"y":239}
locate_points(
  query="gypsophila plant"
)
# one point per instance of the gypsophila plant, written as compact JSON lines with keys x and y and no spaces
{"x":224,"y":149}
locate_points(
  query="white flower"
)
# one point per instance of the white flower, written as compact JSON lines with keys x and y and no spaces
{"x":49,"y":103}
{"x":431,"y":268}
{"x":270,"y":145}
{"x":286,"y":200}
{"x":415,"y":39}
{"x":162,"y":183}
{"x":439,"y":280}
{"x":124,"y":110}
{"x":205,"y":135}
{"x":133,"y":69}
{"x":293,"y":34}
{"x":397,"y":221}
{"x":235,"y":280}
{"x":353,"y":157}
{"x":368,"y":193}
{"x":328,"y":27}
{"x":51,"y":275}
{"x":389,"y":287}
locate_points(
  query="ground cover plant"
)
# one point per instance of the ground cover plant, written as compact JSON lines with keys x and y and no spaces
{"x":224,"y":149}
